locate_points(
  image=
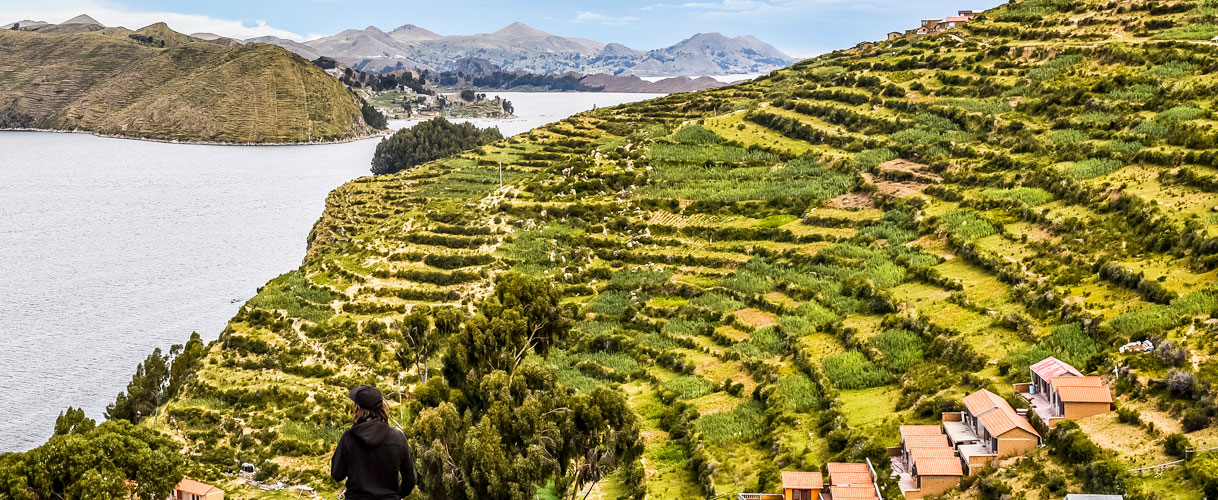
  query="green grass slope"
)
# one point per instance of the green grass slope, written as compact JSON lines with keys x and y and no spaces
{"x":779,"y":273}
{"x":159,"y":84}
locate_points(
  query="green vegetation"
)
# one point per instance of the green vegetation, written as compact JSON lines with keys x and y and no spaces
{"x":157,"y":84}
{"x":427,"y":141}
{"x":774,"y":274}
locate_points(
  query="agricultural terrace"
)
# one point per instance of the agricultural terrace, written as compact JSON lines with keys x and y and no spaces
{"x":777,"y":274}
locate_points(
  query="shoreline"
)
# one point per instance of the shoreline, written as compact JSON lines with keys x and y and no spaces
{"x":198,"y":143}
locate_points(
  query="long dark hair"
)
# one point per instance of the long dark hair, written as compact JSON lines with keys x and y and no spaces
{"x":365,"y":414}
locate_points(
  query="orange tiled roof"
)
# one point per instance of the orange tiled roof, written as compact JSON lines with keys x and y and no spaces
{"x":920,"y":453}
{"x":1052,"y":367}
{"x":195,"y":487}
{"x":939,"y":466}
{"x":1081,"y":394}
{"x":802,"y":480}
{"x":848,"y":474}
{"x":981,"y":401}
{"x":1076,"y":382}
{"x":935,"y":441}
{"x":920,"y":430}
{"x":853,"y":492}
{"x":996,"y":413}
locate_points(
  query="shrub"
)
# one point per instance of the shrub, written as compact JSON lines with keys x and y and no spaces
{"x":852,"y":370}
{"x":1026,"y":195}
{"x":1175,"y":445}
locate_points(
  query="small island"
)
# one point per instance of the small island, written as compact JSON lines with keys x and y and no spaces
{"x":406,"y":104}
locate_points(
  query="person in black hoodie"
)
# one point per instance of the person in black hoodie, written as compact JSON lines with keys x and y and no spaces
{"x":373,"y":457}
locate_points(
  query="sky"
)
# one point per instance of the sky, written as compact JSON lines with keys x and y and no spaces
{"x":800,"y":28}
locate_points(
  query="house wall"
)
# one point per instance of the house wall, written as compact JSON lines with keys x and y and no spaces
{"x":934,"y":485}
{"x":976,"y":462}
{"x":1016,"y":442}
{"x":1075,"y":411}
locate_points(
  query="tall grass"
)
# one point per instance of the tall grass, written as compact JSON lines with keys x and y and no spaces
{"x":1054,"y":68}
{"x":871,"y":158}
{"x":851,"y":370}
{"x":796,"y":392}
{"x":741,"y":424}
{"x":717,"y":302}
{"x":967,"y":224}
{"x":1067,"y":136}
{"x":1026,"y":195}
{"x":1199,"y":31}
{"x":1179,"y":114}
{"x":688,"y":386}
{"x":1156,"y":318}
{"x":901,"y":349}
{"x":613,"y":303}
{"x":1094,"y":167}
{"x":696,"y":134}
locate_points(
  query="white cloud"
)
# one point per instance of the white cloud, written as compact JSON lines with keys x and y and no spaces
{"x":593,"y":17}
{"x":110,"y":15}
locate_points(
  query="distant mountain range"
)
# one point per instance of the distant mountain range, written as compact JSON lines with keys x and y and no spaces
{"x":155,"y":83}
{"x":518,"y":47}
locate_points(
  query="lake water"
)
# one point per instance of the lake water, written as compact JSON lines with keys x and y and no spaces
{"x":110,"y":248}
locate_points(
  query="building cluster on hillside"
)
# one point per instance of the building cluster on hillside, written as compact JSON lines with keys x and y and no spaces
{"x":930,"y":26}
{"x":847,"y":481}
{"x":934,"y":458}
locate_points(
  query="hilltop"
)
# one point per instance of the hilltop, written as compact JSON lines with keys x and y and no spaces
{"x":772,"y":275}
{"x":519,"y":47}
{"x":155,"y":83}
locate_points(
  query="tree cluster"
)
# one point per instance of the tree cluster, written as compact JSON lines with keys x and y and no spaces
{"x":430,"y":140}
{"x":157,"y":379}
{"x":498,"y":424}
{"x":85,"y":460}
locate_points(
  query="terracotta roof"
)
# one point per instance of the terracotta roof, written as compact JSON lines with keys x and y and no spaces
{"x":1080,"y":394}
{"x":940,"y":466}
{"x":936,"y":441}
{"x":920,"y":453}
{"x":802,"y":480}
{"x":998,"y":417}
{"x":981,"y":401}
{"x":196,"y":488}
{"x":853,"y":492}
{"x":848,"y":474}
{"x":1052,"y":367}
{"x":1076,"y":382}
{"x":920,"y":430}
{"x":955,"y":19}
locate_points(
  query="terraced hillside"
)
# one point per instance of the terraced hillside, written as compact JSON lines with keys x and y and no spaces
{"x":778,"y":274}
{"x":158,"y":84}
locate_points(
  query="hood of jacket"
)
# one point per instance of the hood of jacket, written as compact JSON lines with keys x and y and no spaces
{"x":371,"y":433}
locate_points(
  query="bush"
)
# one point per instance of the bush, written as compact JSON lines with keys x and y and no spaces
{"x":1175,"y":445}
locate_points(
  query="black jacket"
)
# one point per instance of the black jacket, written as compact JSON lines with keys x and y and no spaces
{"x":371,"y":456}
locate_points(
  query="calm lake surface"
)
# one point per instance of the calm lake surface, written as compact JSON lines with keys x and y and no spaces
{"x":110,"y":248}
